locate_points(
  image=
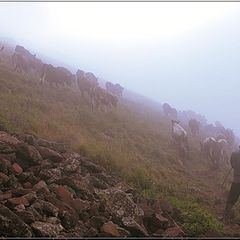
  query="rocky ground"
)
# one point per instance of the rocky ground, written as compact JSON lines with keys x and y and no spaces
{"x":47,"y":191}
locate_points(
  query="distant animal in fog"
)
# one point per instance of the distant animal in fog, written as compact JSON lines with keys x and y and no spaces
{"x":115,"y":89}
{"x":86,"y":83}
{"x":169,"y":111}
{"x":20,"y":64}
{"x":194,"y":126}
{"x":103,"y":99}
{"x":180,"y":138}
{"x":224,"y":149}
{"x":211,"y":149}
{"x":1,"y":49}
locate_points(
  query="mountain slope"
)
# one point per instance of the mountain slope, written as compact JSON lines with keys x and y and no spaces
{"x":132,"y":141}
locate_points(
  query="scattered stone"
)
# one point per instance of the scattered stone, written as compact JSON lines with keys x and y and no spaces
{"x":173,"y":232}
{"x":111,"y":229}
{"x":17,"y":201}
{"x":11,"y":225}
{"x":47,"y":153}
{"x":42,"y":229}
{"x":16,"y":169}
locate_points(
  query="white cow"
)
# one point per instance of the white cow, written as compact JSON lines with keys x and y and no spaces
{"x":224,"y":149}
{"x":180,"y":138}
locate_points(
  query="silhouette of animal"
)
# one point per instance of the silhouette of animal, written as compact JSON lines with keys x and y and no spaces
{"x":169,"y":111}
{"x":180,"y":139}
{"x":115,"y":89}
{"x":224,"y":149}
{"x":194,"y":126}
{"x":211,"y":149}
{"x":86,"y":83}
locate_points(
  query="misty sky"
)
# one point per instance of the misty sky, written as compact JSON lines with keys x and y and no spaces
{"x":187,"y":54}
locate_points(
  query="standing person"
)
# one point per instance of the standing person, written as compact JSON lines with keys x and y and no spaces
{"x":235,"y":187}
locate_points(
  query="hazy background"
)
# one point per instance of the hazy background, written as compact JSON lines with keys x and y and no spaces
{"x":187,"y":54}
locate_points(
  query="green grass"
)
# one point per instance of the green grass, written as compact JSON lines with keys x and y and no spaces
{"x":132,"y":140}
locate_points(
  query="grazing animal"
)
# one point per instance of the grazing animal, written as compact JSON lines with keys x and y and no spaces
{"x":180,"y":138}
{"x":169,"y":111}
{"x":224,"y":149}
{"x":103,"y":99}
{"x":51,"y":75}
{"x":211,"y":149}
{"x":194,"y":126}
{"x":20,"y":63}
{"x":86,"y":83}
{"x":1,"y":49}
{"x":115,"y":89}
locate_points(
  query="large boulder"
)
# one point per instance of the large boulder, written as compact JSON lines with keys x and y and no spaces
{"x":48,"y":153}
{"x":11,"y":225}
{"x":8,"y":143}
{"x":28,"y":155}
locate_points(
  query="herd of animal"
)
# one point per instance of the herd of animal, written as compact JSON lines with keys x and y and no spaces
{"x":28,"y":65}
{"x":216,"y":149}
{"x":23,"y":62}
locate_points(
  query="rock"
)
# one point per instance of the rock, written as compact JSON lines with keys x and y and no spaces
{"x":8,"y":143}
{"x":13,"y":182}
{"x":59,"y":147}
{"x":41,"y":186}
{"x":135,"y":229}
{"x":47,"y":208}
{"x":42,"y":229}
{"x":19,"y":207}
{"x":35,"y":213}
{"x":120,"y":204}
{"x":68,"y":219}
{"x":98,"y":183}
{"x":26,"y":216}
{"x":27,"y":177}
{"x":110,"y":229}
{"x":5,"y":196}
{"x":173,"y":232}
{"x":27,"y":185}
{"x":3,"y":178}
{"x":71,"y":165}
{"x":17,"y":201}
{"x":159,"y":221}
{"x":20,"y":192}
{"x":97,"y":221}
{"x":53,"y":220}
{"x":11,"y":225}
{"x":92,"y":232}
{"x":92,"y":167}
{"x":16,"y":169}
{"x":5,"y":166}
{"x":50,"y":175}
{"x":28,"y":155}
{"x":80,"y":205}
{"x":47,"y":153}
{"x":31,"y":197}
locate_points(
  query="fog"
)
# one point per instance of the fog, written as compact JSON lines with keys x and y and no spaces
{"x":186,"y":54}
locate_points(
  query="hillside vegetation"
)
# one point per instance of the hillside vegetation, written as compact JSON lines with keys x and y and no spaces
{"x":132,"y":140}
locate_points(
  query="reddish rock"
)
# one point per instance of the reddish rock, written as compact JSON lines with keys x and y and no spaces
{"x":31,"y":197}
{"x":16,"y":169}
{"x":173,"y":232}
{"x":92,"y":232}
{"x":47,"y":153}
{"x":41,"y":185}
{"x":5,"y":196}
{"x":27,"y":185}
{"x":80,"y":205}
{"x":5,"y":166}
{"x":18,"y":201}
{"x":65,"y":195}
{"x":42,"y":229}
{"x":148,"y":211}
{"x":110,"y":229}
{"x":160,"y":221}
{"x":20,"y":191}
{"x":3,"y":178}
{"x":11,"y":225}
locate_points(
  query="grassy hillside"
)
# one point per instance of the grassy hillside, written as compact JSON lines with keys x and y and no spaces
{"x":133,"y":141}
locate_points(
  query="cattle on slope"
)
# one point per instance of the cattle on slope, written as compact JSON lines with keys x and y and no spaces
{"x":25,"y":62}
{"x":103,"y":99}
{"x":180,"y":139}
{"x":194,"y":126}
{"x":169,"y":111}
{"x":115,"y":89}
{"x":86,"y":83}
{"x":211,"y":149}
